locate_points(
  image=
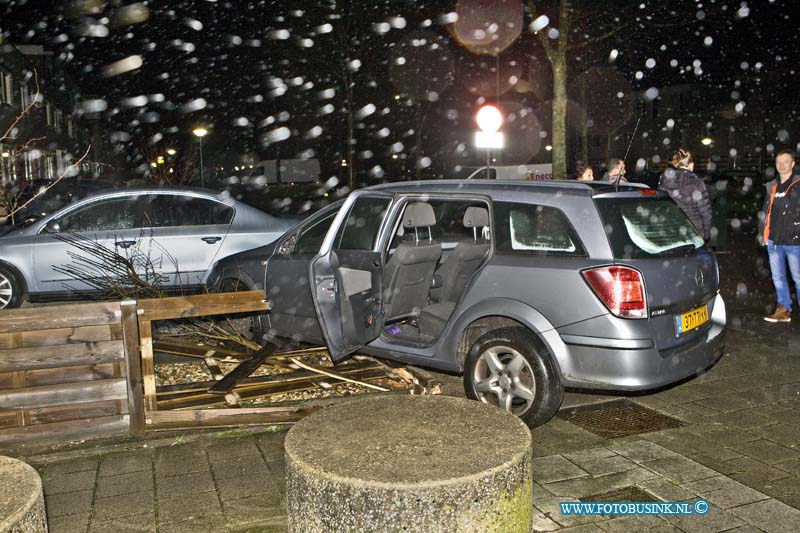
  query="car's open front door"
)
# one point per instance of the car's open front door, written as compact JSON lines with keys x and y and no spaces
{"x":346,"y":276}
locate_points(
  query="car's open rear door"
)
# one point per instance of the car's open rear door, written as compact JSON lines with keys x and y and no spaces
{"x":347,"y":276}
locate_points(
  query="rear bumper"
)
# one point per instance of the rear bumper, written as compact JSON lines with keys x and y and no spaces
{"x":636,"y":364}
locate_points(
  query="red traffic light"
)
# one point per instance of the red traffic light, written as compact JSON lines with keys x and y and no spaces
{"x":489,"y":118}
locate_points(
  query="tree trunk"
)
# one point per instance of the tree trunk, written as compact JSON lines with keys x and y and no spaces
{"x":559,"y":64}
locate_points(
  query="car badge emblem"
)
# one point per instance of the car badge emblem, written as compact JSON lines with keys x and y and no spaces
{"x":699,"y":278}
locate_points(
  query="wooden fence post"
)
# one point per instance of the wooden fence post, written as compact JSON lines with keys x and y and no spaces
{"x":130,"y":342}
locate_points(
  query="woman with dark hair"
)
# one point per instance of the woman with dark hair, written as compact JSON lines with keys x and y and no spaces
{"x":688,"y":191}
{"x":584,"y":173}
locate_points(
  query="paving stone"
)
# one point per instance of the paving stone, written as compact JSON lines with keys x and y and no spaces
{"x":66,"y":503}
{"x":747,"y":465}
{"x":792,"y":466}
{"x":232,"y":488}
{"x":758,"y":481}
{"x":238,"y":466}
{"x":183,"y":508}
{"x":771,"y":516}
{"x":71,"y":482}
{"x":783,"y":487}
{"x":144,"y":523}
{"x":585,"y":528}
{"x":123,"y":505}
{"x":173,"y":486}
{"x":232,"y":448}
{"x":537,"y":492}
{"x":552,"y":507}
{"x":792,"y":500}
{"x":666,"y":490}
{"x":73,"y":465}
{"x":542,"y":522}
{"x":589,"y":456}
{"x":724,"y":462}
{"x":271,"y":526}
{"x":725,"y":436}
{"x":715,"y":520}
{"x":125,"y":483}
{"x":724,"y":404}
{"x":679,"y":469}
{"x":113,"y":464}
{"x":626,"y":524}
{"x":766,"y":451}
{"x":271,"y":444}
{"x":790,"y":416}
{"x":781,"y":433}
{"x":580,"y":487}
{"x":183,"y":462}
{"x":207,"y":524}
{"x":679,"y":395}
{"x":724,"y":492}
{"x":253,"y":509}
{"x":73,"y":523}
{"x":681,"y":441}
{"x":641,"y":451}
{"x":609,"y":465}
{"x":688,"y":413}
{"x":555,"y":468}
{"x":746,"y":419}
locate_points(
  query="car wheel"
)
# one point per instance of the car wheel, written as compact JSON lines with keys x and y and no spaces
{"x":510,"y":369}
{"x":252,"y":326}
{"x":10,"y":289}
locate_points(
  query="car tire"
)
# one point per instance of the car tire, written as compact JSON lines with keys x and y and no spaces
{"x":252,"y":326}
{"x":11,"y":289}
{"x":511,"y":369}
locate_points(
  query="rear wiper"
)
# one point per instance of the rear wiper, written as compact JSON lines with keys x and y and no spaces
{"x":678,"y":250}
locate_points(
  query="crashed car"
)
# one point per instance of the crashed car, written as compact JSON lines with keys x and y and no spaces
{"x":525,"y":288}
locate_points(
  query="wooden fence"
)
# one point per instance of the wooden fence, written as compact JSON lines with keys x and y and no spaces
{"x":86,"y":370}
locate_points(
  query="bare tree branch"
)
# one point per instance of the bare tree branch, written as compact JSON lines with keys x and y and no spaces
{"x":27,"y":109}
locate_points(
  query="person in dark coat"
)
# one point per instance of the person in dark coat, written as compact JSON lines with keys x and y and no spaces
{"x":782,"y":235}
{"x":688,"y":191}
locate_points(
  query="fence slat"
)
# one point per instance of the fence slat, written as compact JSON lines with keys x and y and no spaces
{"x":87,"y":353}
{"x":61,"y":431}
{"x":226,"y":417}
{"x":202,"y":305}
{"x":148,"y":364}
{"x":87,"y":391}
{"x":130,"y":341}
{"x":57,"y":316}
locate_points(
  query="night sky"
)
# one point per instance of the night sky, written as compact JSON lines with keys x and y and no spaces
{"x":269,"y":78}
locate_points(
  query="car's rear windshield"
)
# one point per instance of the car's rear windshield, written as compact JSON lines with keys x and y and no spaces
{"x":646,"y":227}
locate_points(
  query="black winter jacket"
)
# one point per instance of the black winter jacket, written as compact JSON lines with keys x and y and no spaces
{"x":782,"y":225}
{"x":691,"y":195}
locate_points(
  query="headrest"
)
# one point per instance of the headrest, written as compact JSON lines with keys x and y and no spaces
{"x":418,"y":215}
{"x":476,"y":217}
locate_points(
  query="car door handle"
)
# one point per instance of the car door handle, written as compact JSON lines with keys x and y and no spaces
{"x":211,"y":240}
{"x":124,"y":244}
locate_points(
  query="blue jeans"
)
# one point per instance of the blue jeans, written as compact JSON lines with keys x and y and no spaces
{"x":779,"y":255}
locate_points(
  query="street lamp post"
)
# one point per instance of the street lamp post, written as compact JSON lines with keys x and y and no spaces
{"x":489,"y":121}
{"x":200,"y":133}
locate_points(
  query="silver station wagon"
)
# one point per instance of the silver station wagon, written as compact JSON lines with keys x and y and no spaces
{"x":525,"y":288}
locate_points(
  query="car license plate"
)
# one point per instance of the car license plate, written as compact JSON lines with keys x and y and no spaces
{"x":691,"y":319}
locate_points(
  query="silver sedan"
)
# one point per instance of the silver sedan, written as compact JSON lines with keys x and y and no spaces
{"x":173,"y":235}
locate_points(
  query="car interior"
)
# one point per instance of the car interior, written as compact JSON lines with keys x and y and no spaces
{"x":438,"y":246}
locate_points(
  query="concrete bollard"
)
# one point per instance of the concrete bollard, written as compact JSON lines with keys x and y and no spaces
{"x":21,"y":498}
{"x":409,"y":463}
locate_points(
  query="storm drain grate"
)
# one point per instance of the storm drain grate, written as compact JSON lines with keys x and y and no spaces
{"x":618,"y":418}
{"x":626,"y":494}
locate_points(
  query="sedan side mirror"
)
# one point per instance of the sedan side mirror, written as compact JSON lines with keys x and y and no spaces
{"x":52,"y":227}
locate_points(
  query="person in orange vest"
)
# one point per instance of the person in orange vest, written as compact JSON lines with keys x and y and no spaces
{"x":782,"y":235}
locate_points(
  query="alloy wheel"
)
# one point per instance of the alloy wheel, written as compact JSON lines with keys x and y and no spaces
{"x":6,"y":291}
{"x":503,"y":377}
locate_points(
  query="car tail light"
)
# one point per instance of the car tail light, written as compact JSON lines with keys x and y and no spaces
{"x":648,"y":192}
{"x":620,"y":288}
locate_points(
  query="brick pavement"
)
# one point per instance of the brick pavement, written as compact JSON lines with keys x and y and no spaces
{"x":739,"y":449}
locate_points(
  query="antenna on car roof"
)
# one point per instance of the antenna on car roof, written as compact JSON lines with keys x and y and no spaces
{"x":633,"y":135}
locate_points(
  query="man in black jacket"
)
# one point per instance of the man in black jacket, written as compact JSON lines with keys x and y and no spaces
{"x":782,"y":235}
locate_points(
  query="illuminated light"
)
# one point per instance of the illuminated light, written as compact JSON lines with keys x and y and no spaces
{"x":200,"y":132}
{"x":5,"y":154}
{"x":170,"y":151}
{"x":153,"y":165}
{"x":489,"y":118}
{"x":397,"y":97}
{"x":706,"y":141}
{"x":394,"y":156}
{"x":489,"y":139}
{"x":235,"y":168}
{"x":160,"y":160}
{"x":325,"y":195}
{"x":548,"y":147}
